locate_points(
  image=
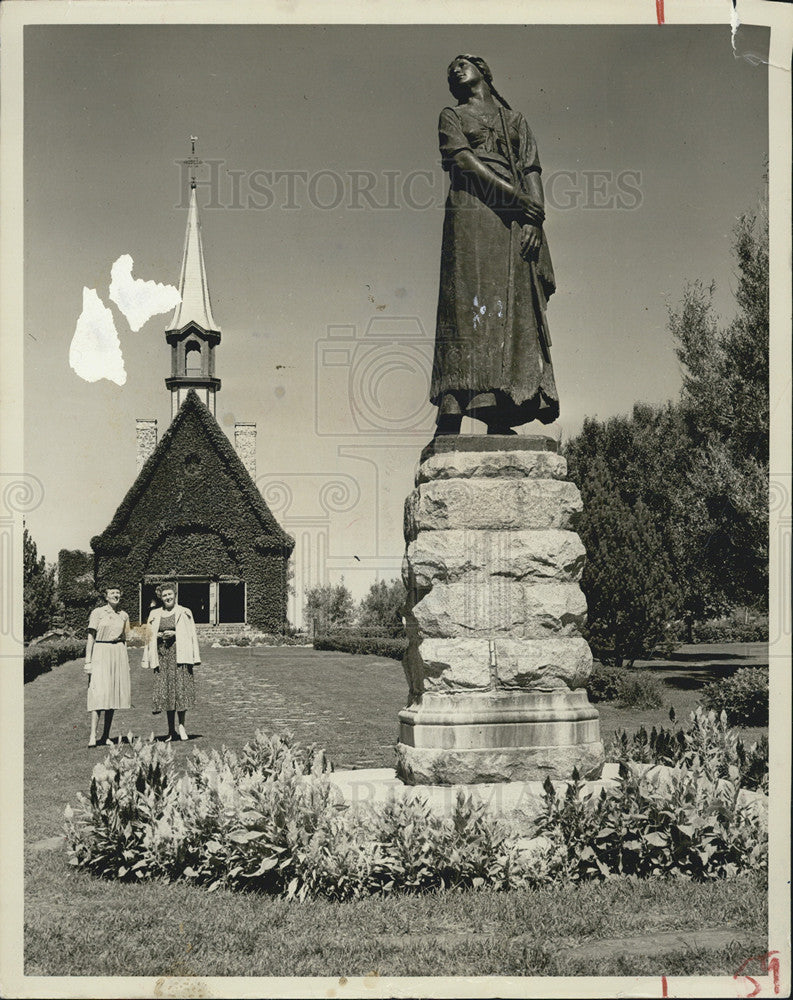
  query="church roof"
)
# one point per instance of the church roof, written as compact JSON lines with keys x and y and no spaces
{"x":195,"y":306}
{"x":230,"y":459}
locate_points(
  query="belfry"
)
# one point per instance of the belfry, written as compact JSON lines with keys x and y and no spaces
{"x":193,"y":333}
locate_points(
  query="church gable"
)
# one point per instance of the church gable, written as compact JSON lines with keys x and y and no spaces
{"x":194,"y":514}
{"x":194,"y":478}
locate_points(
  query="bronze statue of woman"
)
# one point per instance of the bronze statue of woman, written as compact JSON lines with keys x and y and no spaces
{"x":492,"y":357}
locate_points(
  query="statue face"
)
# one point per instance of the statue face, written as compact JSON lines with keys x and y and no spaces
{"x":463,"y":74}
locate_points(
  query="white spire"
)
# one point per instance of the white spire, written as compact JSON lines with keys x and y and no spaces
{"x":195,"y":306}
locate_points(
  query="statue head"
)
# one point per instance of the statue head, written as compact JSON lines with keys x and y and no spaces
{"x":465,"y":71}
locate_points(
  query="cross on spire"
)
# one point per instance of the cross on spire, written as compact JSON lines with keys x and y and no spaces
{"x":192,"y":161}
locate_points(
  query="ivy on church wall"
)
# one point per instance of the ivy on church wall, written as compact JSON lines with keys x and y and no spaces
{"x":194,"y":510}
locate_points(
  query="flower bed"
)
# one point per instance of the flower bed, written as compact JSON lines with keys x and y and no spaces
{"x":267,"y":820}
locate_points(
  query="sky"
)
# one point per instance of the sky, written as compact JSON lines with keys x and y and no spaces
{"x":652,"y":143}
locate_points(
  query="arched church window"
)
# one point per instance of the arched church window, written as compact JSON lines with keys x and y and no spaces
{"x":192,"y":359}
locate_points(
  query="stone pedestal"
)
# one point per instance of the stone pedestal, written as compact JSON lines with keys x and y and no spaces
{"x":496,"y":663}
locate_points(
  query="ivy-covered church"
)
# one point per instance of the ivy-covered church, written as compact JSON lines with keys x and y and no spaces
{"x":194,"y":514}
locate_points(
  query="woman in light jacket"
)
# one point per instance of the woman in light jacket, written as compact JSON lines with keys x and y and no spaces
{"x":172,"y":652}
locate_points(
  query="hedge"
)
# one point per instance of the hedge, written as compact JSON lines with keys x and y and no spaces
{"x":719,"y":630}
{"x":261,"y":639}
{"x":42,"y":657}
{"x":362,"y":644}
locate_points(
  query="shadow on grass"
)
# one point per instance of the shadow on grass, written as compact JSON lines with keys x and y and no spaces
{"x":707,"y":657}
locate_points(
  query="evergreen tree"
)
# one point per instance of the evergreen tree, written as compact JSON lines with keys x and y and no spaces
{"x":649,"y":457}
{"x":725,"y":404}
{"x":701,"y":465}
{"x":39,"y":589}
{"x":627,"y":579}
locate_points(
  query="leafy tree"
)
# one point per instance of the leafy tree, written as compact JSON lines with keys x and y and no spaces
{"x":380,"y":612}
{"x":39,"y":589}
{"x":627,"y":579}
{"x":328,"y":607}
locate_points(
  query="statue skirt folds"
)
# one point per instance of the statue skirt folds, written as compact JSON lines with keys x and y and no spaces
{"x":487,"y":344}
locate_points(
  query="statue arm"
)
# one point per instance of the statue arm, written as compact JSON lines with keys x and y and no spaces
{"x":501,"y":192}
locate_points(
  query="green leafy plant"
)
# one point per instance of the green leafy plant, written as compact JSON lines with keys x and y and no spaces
{"x":657,"y":822}
{"x":267,"y":819}
{"x":743,"y":696}
{"x":707,"y":742}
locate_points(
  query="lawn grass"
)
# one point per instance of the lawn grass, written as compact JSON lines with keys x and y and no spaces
{"x":80,"y":925}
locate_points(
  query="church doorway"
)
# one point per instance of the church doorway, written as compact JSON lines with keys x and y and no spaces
{"x":212,"y":602}
{"x":195,"y":595}
{"x":231,"y":602}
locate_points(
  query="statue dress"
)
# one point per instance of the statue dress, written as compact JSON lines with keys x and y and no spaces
{"x":488,"y":350}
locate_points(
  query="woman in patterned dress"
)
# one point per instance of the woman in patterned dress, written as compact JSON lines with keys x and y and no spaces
{"x":107,"y":663}
{"x":172,"y":652}
{"x":492,"y":358}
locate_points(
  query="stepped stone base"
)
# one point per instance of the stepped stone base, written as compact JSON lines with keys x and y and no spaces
{"x":496,"y":663}
{"x":498,"y":736}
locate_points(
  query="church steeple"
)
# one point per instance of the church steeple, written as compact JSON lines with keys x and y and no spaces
{"x":193,"y":333}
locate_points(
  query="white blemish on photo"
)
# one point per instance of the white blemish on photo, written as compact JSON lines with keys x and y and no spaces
{"x":95,"y":351}
{"x":139,"y":300}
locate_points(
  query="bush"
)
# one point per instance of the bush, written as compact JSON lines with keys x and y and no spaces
{"x":706,"y":742}
{"x":353,"y":642}
{"x":604,"y":682}
{"x":43,"y":656}
{"x":631,"y":688}
{"x":641,"y":689}
{"x":743,"y":696}
{"x":731,"y":630}
{"x":677,"y":822}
